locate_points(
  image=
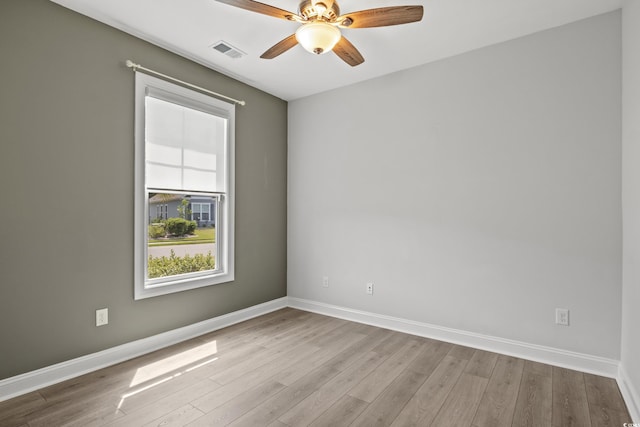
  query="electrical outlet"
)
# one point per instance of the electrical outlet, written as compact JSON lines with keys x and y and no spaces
{"x":325,"y":281}
{"x":102,"y":316}
{"x":369,"y":288}
{"x":562,"y":316}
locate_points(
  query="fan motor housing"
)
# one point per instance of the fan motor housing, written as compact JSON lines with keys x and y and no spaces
{"x":310,"y":10}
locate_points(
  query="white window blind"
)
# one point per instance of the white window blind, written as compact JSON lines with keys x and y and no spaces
{"x":184,"y":147}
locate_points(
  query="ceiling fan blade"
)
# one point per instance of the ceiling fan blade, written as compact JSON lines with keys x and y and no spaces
{"x":280,"y":47}
{"x":381,"y":17}
{"x":348,"y":52}
{"x":265,"y":9}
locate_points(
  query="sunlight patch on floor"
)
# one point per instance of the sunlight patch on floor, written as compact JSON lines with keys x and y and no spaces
{"x":173,"y":363}
{"x":170,"y":367}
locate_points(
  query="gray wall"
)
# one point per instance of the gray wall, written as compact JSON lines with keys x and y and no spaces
{"x":478,"y":192}
{"x":66,"y":145}
{"x":631,"y":201}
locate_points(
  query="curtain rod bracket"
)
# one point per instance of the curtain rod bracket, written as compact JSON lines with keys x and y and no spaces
{"x":131,"y":64}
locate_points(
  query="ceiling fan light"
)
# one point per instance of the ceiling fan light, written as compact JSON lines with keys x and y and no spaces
{"x":318,"y":37}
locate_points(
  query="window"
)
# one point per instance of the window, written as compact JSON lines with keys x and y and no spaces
{"x":201,"y":212}
{"x":184,"y":189}
{"x":161,"y":211}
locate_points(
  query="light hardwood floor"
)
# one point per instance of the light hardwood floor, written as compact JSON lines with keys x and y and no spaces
{"x":294,"y":368}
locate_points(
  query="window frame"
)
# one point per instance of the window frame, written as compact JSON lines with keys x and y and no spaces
{"x":146,"y":85}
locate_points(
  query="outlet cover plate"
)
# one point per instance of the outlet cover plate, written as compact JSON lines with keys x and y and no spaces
{"x":562,"y":316}
{"x":102,"y":317}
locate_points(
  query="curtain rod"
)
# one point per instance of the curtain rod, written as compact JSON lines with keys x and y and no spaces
{"x":137,"y":67}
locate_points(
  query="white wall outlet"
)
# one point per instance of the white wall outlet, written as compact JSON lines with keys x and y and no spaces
{"x":562,"y":316}
{"x":102,"y":316}
{"x":325,"y":281}
{"x":369,"y":288}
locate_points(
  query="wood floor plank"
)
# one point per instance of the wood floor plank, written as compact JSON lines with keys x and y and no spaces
{"x":238,"y":406}
{"x":254,"y":328}
{"x":78,"y":413}
{"x":280,"y":328}
{"x":132,"y":398}
{"x":382,"y":411}
{"x":156,"y":409}
{"x":17,"y":410}
{"x":287,"y":352}
{"x":430,"y":356}
{"x":262,"y":359}
{"x":533,"y":406}
{"x":499,"y":400}
{"x":328,"y":351}
{"x":355,"y":351}
{"x":303,"y":329}
{"x":461,"y":352}
{"x":265,"y":355}
{"x":538,"y":368}
{"x":177,"y":418}
{"x":89,"y":398}
{"x":209,"y":401}
{"x":343,"y":327}
{"x":370,"y":387}
{"x":274,"y":407}
{"x":254,"y":331}
{"x":606,"y":407}
{"x":390,"y":344}
{"x":112,"y":383}
{"x":429,"y":398}
{"x":460,"y":406}
{"x":132,"y":395}
{"x":258,"y":327}
{"x":314,"y":405}
{"x":570,"y":405}
{"x":481,"y":363}
{"x":97,"y":417}
{"x":341,"y":413}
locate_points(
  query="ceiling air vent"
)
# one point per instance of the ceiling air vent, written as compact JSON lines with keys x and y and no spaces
{"x":227,"y":49}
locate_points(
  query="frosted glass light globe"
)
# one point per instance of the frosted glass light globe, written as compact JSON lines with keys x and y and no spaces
{"x":318,"y":37}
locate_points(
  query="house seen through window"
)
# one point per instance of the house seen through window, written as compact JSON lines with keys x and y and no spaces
{"x":184,"y":231}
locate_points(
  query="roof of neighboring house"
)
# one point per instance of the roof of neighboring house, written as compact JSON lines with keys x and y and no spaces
{"x":165,"y":198}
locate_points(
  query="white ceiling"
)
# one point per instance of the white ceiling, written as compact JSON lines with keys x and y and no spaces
{"x":449,"y":27}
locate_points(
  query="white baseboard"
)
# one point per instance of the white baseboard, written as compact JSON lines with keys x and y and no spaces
{"x":34,"y":380}
{"x":552,"y":356}
{"x":630,"y":394}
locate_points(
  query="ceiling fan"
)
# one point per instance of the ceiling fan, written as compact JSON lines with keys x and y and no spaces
{"x":321,"y":22}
